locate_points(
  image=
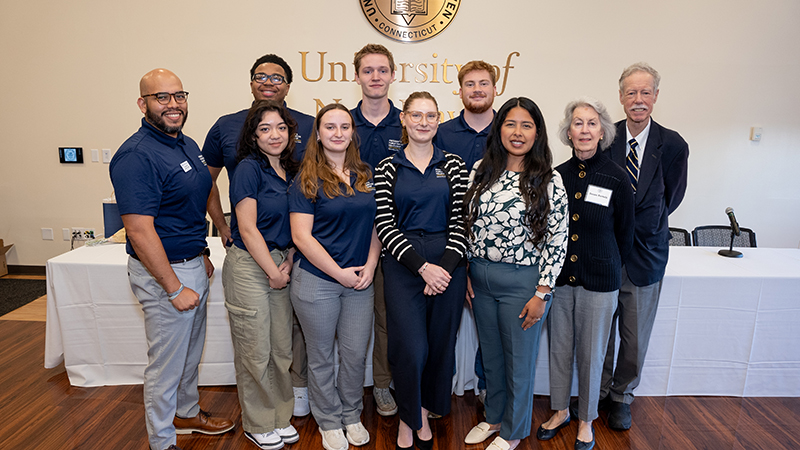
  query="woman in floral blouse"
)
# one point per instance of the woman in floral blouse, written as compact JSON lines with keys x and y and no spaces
{"x":517,"y":222}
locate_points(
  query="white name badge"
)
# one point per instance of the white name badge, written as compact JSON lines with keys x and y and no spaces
{"x":597,"y":195}
{"x":186,"y":166}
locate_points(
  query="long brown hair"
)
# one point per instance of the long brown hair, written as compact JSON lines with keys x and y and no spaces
{"x":315,"y":167}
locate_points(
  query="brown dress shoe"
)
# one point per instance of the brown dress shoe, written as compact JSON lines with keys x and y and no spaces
{"x":202,"y":423}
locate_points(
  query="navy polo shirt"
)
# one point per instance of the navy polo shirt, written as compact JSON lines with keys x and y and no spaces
{"x":422,"y":199}
{"x":219,"y":149}
{"x":342,"y":225}
{"x":270,"y":192}
{"x":164,"y":177}
{"x":381,"y":141}
{"x":456,"y":136}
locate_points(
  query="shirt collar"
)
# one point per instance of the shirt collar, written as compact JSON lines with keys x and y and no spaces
{"x":464,"y":126}
{"x":400,"y":158}
{"x":392,"y":118}
{"x":160,"y":136}
{"x":641,"y":139}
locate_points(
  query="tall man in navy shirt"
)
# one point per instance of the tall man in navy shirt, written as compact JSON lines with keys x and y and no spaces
{"x":162,"y":186}
{"x":466,"y":134}
{"x":378,"y":125}
{"x":656,"y":159}
{"x":270,"y":79}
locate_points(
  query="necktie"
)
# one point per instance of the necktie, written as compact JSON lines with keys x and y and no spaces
{"x":632,"y":164}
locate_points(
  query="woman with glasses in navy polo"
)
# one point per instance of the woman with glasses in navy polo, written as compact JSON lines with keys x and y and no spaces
{"x":332,"y":213}
{"x":419,"y":192}
{"x":256,"y":274}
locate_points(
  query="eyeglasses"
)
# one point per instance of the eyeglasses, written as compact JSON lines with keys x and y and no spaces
{"x":416,"y":116}
{"x":164,"y":97}
{"x":275,"y":78}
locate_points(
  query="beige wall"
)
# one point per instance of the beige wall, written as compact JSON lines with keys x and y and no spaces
{"x":70,"y":74}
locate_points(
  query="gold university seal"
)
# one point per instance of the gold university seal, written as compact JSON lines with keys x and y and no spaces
{"x":410,"y":20}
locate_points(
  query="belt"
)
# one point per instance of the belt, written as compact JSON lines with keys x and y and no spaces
{"x":177,"y":261}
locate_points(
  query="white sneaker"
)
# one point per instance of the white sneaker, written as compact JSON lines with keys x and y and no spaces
{"x":301,"y":407}
{"x":267,"y":441}
{"x":385,"y":401}
{"x":357,"y":434}
{"x":288,"y":434}
{"x":333,"y":439}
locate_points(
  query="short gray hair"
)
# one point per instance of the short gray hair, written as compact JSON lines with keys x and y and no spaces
{"x":640,"y":67}
{"x":606,"y":124}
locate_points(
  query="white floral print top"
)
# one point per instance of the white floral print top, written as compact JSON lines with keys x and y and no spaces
{"x":501,"y":236}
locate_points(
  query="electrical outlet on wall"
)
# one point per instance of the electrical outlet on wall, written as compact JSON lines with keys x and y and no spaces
{"x":82,"y":234}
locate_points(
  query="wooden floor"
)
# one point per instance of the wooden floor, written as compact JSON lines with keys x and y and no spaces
{"x":40,"y":410}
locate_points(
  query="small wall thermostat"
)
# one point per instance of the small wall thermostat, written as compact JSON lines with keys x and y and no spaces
{"x":70,"y":155}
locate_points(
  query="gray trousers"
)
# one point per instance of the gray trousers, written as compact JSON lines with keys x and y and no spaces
{"x":175,"y":342}
{"x":328,"y":312}
{"x":635,"y":315}
{"x":261,"y":332}
{"x":579,"y":325}
{"x":381,"y":372}
{"x":509,"y":352}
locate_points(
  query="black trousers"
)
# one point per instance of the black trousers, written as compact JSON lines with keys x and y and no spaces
{"x":422,"y":331}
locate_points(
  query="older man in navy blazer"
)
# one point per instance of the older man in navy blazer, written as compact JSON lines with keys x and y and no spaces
{"x":656,"y":160}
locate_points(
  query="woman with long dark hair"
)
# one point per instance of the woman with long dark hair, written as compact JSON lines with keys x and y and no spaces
{"x":332,"y":213}
{"x":420,"y":194}
{"x":517,"y":223}
{"x":256,"y":273}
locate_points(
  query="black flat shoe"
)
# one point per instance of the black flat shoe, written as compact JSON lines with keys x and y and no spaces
{"x":543,"y":434}
{"x":619,"y":416}
{"x":580,"y":445}
{"x":423,"y":445}
{"x":397,"y":447}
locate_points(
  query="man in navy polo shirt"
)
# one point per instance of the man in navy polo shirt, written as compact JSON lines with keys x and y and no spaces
{"x":270,"y":79}
{"x":162,"y":186}
{"x":379,"y":131}
{"x":466,"y":134}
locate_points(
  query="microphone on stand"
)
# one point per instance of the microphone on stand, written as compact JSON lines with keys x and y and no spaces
{"x":734,"y":223}
{"x":735,"y":231}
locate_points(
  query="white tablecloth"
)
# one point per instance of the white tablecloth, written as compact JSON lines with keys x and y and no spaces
{"x":724,"y":326}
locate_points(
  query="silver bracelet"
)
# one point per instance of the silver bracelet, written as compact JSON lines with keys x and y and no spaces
{"x":424,"y":266}
{"x":175,"y":294}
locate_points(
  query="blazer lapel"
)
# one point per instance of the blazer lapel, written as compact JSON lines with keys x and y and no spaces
{"x":652,"y":158}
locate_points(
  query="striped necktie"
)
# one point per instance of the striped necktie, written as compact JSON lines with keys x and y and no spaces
{"x":632,"y":164}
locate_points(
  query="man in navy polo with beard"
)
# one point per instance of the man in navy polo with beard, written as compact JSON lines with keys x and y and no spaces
{"x":162,"y":186}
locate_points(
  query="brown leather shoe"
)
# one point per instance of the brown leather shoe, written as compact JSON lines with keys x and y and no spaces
{"x":202,"y":423}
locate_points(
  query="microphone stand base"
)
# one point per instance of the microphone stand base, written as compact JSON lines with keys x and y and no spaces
{"x":730,"y":253}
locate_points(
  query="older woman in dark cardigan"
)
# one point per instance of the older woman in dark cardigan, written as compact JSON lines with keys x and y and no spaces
{"x":601,"y":206}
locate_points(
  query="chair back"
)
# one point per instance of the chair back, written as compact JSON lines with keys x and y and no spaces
{"x":679,"y":238}
{"x":720,"y":236}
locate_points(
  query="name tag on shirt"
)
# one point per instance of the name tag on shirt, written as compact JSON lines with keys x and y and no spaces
{"x":186,"y":166}
{"x":598,"y":196}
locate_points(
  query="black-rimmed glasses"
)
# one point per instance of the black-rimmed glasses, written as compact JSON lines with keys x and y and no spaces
{"x":275,"y":78}
{"x":164,"y":97}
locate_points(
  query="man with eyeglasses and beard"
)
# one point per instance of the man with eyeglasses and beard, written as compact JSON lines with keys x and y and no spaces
{"x":466,"y":134}
{"x":162,"y":186}
{"x":270,"y":79}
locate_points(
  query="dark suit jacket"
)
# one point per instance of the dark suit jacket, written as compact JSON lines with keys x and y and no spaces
{"x":662,"y":184}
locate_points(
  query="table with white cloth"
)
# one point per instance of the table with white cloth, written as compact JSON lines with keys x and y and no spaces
{"x":724,"y":326}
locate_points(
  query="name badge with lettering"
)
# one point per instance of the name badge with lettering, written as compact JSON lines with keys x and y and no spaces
{"x":186,"y":166}
{"x":597,"y":195}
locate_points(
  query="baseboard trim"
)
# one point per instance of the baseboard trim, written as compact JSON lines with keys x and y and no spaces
{"x":26,"y":270}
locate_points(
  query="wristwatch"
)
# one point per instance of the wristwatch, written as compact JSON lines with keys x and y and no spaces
{"x":543,"y":296}
{"x":206,"y":251}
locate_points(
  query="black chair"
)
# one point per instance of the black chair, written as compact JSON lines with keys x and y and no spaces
{"x":679,"y":238}
{"x":214,"y":230}
{"x":720,"y":236}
